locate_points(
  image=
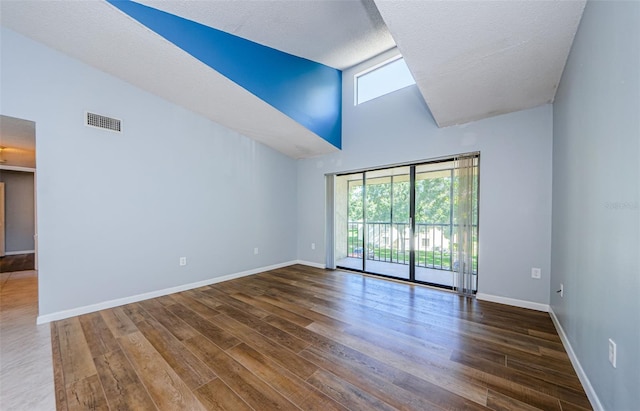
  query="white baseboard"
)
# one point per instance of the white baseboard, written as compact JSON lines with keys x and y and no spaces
{"x":60,"y":315}
{"x":512,"y":301}
{"x":20,"y":252}
{"x":586,"y":384}
{"x":310,"y":264}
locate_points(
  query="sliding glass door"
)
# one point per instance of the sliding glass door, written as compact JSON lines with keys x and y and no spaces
{"x":400,"y":222}
{"x":387,"y":220}
{"x":433,"y":229}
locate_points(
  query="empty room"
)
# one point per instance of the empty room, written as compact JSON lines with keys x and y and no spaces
{"x":320,"y":205}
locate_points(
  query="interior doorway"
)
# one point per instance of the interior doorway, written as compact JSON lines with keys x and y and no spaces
{"x":18,"y":238}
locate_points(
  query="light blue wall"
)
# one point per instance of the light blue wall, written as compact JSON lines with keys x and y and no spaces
{"x":596,"y":200}
{"x":515,"y":180}
{"x":116,"y":211}
{"x":19,"y":210}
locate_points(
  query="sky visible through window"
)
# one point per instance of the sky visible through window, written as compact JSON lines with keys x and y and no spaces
{"x":383,"y":80}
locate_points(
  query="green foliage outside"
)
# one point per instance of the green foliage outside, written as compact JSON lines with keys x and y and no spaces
{"x":433,"y":200}
{"x":387,"y":201}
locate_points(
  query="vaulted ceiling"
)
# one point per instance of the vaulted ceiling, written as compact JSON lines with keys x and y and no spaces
{"x":477,"y":59}
{"x":470,"y":59}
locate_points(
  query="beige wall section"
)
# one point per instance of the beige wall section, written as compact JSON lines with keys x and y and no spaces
{"x":18,"y":157}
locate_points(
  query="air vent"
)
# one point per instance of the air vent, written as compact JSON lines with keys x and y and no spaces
{"x":104,"y":122}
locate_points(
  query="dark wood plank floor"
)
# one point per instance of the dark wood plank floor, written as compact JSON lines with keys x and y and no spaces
{"x":300,"y":338}
{"x":19,"y":262}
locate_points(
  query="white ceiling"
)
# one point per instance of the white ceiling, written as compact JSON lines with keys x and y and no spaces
{"x":337,"y":33}
{"x":477,"y":59}
{"x":471,"y":59}
{"x":147,"y":60}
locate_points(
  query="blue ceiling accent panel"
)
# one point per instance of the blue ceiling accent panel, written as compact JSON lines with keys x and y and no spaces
{"x":308,"y":92}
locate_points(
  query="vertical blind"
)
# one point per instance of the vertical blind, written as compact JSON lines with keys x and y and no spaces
{"x":466,"y":174}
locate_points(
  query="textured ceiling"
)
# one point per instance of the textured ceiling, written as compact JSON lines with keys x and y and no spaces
{"x":18,"y":142}
{"x":470,"y":59}
{"x":337,"y":33}
{"x":476,"y":59}
{"x":148,"y":61}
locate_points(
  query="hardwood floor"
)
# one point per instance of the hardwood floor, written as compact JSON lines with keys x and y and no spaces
{"x":300,"y":338}
{"x":18,"y":262}
{"x":26,"y":371}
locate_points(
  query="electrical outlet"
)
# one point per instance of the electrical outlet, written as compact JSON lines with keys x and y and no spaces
{"x":183,"y":261}
{"x":536,"y":273}
{"x":613,"y":353}
{"x":256,"y":251}
{"x":313,"y":246}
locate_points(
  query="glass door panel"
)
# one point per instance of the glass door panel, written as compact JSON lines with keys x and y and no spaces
{"x":433,"y":223}
{"x":349,"y":221}
{"x":387,"y":231}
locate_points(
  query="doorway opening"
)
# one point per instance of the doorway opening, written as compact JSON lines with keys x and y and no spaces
{"x":18,"y":239}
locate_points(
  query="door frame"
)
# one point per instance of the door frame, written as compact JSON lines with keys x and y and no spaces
{"x":331,"y":206}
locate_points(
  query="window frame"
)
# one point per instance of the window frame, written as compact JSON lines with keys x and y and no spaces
{"x":371,"y":69}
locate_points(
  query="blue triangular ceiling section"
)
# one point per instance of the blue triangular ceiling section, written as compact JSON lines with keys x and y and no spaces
{"x":308,"y":92}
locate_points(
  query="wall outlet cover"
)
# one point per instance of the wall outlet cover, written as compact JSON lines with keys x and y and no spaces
{"x":536,"y":273}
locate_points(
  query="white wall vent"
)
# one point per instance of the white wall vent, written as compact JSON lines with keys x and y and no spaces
{"x":104,"y":122}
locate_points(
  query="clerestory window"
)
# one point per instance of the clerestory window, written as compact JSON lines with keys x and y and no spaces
{"x":382,"y":79}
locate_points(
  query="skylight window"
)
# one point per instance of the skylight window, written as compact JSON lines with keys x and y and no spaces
{"x":382,"y":79}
